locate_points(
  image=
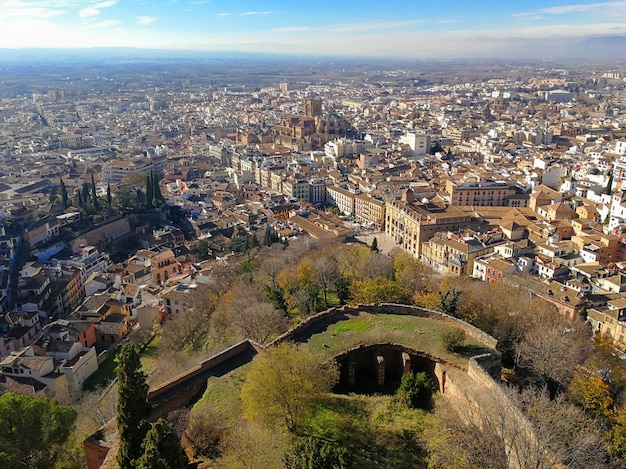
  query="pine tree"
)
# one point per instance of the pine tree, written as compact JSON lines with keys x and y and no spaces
{"x":374,"y":246}
{"x":161,"y":448}
{"x":64,"y":197}
{"x":133,"y":408}
{"x":94,"y":197}
{"x":80,"y":198}
{"x":149,"y":191}
{"x":109,"y":198}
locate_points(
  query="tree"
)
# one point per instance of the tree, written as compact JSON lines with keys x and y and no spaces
{"x":253,"y":446}
{"x":85,"y":191}
{"x":452,"y":339}
{"x":161,"y":448}
{"x":616,"y":436}
{"x":374,"y":246}
{"x":378,"y":290}
{"x":149,"y":192}
{"x":94,"y":196}
{"x":325,"y":274}
{"x":589,"y":391}
{"x":201,"y":250}
{"x":552,"y":347}
{"x":133,"y":408}
{"x":53,"y":194}
{"x":156,"y":190}
{"x":313,"y":453}
{"x":609,"y":185}
{"x":283,"y":384}
{"x":109,"y":198}
{"x":270,"y":236}
{"x":33,"y":430}
{"x":448,"y":301}
{"x":559,"y":435}
{"x":64,"y":197}
{"x":79,"y":195}
{"x":122,"y":199}
{"x":416,"y":390}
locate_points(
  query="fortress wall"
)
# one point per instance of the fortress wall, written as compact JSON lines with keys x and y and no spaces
{"x":206,"y":365}
{"x":332,"y":315}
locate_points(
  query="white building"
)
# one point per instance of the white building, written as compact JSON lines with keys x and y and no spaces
{"x":419,"y":143}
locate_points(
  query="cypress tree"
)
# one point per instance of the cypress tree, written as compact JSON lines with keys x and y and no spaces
{"x":85,"y":192}
{"x":161,"y":448}
{"x":133,"y":408}
{"x":109,"y":198}
{"x":156,"y":191}
{"x":149,"y":191}
{"x":96,"y":205}
{"x":64,"y":196}
{"x":80,"y":197}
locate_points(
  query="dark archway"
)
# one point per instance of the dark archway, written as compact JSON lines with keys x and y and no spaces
{"x":378,"y":369}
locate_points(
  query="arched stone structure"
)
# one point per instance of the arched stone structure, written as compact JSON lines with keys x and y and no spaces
{"x":378,"y":368}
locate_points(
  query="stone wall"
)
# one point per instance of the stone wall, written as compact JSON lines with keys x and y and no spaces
{"x":461,"y":386}
{"x":322,"y":320}
{"x":180,"y":391}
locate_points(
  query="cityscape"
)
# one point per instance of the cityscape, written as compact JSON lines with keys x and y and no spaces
{"x":211,"y":209}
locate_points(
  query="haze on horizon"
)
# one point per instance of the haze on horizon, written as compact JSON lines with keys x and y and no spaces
{"x":394,"y":28}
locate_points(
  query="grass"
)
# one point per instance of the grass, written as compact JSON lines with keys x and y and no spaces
{"x":103,"y":376}
{"x":107,"y":371}
{"x":223,"y":392}
{"x":419,"y":333}
{"x":377,"y":430}
{"x":149,"y":355}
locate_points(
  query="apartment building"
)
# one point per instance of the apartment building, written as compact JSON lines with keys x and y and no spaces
{"x":369,"y":210}
{"x":116,"y":170}
{"x":482,"y":194}
{"x":341,"y":198}
{"x":411,"y":224}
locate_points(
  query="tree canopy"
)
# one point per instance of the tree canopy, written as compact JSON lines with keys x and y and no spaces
{"x":32,"y":430}
{"x":283,"y":384}
{"x":161,"y":448}
{"x":133,"y":407}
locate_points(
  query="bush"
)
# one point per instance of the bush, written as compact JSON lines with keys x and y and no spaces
{"x":453,"y":339}
{"x":313,"y":453}
{"x":416,"y":390}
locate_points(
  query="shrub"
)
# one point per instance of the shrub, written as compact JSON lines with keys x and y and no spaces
{"x":313,"y":453}
{"x":416,"y":390}
{"x":453,"y":339}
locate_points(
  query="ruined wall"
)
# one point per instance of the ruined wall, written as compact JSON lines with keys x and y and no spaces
{"x":330,"y":316}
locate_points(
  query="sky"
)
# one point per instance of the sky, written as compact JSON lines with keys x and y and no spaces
{"x":397,"y":28}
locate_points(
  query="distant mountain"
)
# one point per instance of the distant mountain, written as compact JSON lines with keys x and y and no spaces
{"x":120,"y":54}
{"x":603,"y":47}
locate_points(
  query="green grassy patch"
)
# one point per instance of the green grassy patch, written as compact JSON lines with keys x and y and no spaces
{"x":377,"y":431}
{"x":223,"y":392}
{"x":103,"y":376}
{"x":149,"y":359}
{"x":415,"y":332}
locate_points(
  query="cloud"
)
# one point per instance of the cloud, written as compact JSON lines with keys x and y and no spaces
{"x":146,"y":20}
{"x":615,"y":7}
{"x":351,"y":27}
{"x":15,"y":9}
{"x":95,"y":9}
{"x":249,"y":13}
{"x":224,"y":14}
{"x":105,"y":24}
{"x":291,"y":29}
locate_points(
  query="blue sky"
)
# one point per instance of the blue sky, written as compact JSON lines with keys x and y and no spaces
{"x":407,"y":28}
